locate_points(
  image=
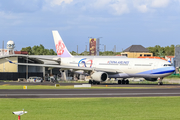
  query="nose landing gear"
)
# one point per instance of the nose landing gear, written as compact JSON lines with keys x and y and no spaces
{"x":160,"y":81}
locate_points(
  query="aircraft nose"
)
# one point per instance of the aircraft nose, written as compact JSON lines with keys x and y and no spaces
{"x":174,"y":68}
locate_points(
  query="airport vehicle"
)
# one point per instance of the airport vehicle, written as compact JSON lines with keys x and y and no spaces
{"x":100,"y":68}
{"x":35,"y":79}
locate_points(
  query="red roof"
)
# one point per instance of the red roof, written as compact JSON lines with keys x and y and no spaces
{"x":21,"y":52}
{"x":154,"y":57}
{"x":170,"y":56}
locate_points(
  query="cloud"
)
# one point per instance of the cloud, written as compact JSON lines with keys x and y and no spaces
{"x":150,"y":5}
{"x":119,"y":8}
{"x":21,"y":6}
{"x":59,"y":2}
{"x":160,"y":3}
{"x":9,"y":16}
{"x":116,"y":7}
{"x":142,"y":8}
{"x":99,"y":4}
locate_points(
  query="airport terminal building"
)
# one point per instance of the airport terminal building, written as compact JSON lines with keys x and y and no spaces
{"x":10,"y":71}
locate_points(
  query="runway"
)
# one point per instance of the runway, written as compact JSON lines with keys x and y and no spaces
{"x":79,"y":93}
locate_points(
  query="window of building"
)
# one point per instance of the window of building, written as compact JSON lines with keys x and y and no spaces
{"x":125,"y":55}
{"x":147,"y":55}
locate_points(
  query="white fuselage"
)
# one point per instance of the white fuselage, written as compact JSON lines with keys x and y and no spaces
{"x":130,"y":67}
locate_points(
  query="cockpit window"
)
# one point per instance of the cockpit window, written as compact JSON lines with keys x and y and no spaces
{"x":167,"y":64}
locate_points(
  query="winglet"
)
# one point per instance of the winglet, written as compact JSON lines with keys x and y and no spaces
{"x":8,"y":60}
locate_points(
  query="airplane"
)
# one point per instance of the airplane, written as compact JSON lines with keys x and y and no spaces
{"x":100,"y":68}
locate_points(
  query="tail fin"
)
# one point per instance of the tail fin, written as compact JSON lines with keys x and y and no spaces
{"x":60,"y":46}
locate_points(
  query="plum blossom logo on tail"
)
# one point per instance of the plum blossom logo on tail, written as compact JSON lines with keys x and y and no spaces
{"x":60,"y":47}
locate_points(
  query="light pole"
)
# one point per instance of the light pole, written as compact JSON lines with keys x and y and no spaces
{"x":104,"y":47}
{"x":97,"y":45}
{"x":86,"y":44}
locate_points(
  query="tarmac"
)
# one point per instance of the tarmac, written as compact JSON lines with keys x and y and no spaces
{"x":148,"y":90}
{"x":87,"y":93}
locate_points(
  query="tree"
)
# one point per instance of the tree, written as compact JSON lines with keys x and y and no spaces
{"x":28,"y":49}
{"x":169,"y":51}
{"x":38,"y":50}
{"x":73,"y":53}
{"x":85,"y":53}
{"x":162,"y":51}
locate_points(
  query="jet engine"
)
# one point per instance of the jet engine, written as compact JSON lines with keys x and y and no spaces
{"x":99,"y":76}
{"x":151,"y":79}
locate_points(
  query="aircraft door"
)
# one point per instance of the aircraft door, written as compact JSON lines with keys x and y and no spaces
{"x":130,"y":65}
{"x":94,"y":62}
{"x":155,"y":66}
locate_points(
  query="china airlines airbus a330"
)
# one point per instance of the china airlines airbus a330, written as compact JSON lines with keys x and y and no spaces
{"x":100,"y":68}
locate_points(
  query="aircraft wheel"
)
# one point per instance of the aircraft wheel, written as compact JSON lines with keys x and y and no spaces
{"x":119,"y":81}
{"x":123,"y":82}
{"x":160,"y":83}
{"x":94,"y":82}
{"x":90,"y":82}
{"x":127,"y":81}
{"x":98,"y":83}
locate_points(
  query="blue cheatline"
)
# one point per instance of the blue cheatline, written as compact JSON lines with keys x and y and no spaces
{"x":163,"y":70}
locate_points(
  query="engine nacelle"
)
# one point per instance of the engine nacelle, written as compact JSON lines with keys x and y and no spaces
{"x":81,"y":72}
{"x":99,"y":76}
{"x":151,"y":79}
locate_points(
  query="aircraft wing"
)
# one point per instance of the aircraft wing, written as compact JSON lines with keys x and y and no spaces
{"x":50,"y":58}
{"x":70,"y":67}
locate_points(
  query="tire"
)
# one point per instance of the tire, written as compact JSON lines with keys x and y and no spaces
{"x":119,"y":82}
{"x":127,"y":81}
{"x":98,"y":83}
{"x":160,"y":83}
{"x":90,"y":82}
{"x":94,"y":82}
{"x":123,"y":81}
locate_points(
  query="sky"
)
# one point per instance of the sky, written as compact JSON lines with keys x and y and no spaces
{"x":118,"y":22}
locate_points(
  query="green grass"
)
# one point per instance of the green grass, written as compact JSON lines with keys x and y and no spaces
{"x":152,"y":108}
{"x":173,"y":76}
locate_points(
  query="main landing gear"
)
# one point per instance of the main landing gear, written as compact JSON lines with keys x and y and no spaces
{"x":160,"y":81}
{"x":94,"y":82}
{"x":123,"y":81}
